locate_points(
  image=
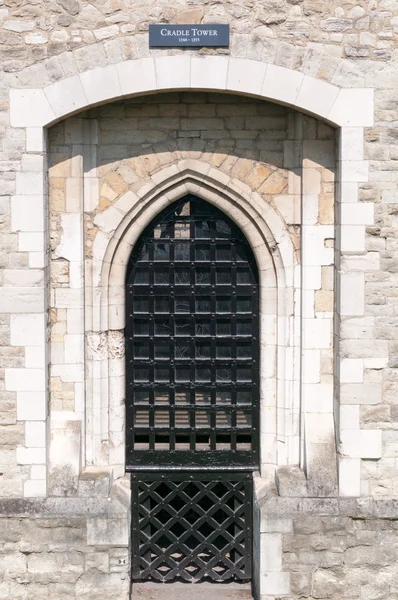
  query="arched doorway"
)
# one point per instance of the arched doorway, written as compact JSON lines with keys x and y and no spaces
{"x":192,"y":395}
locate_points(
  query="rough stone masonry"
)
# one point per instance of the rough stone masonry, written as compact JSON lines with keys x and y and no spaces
{"x":292,"y":132}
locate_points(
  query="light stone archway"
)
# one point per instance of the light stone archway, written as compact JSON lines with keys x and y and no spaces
{"x":34,"y":109}
{"x":279,"y":280}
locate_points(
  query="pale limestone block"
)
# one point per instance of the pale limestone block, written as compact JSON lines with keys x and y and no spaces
{"x":349,"y":417}
{"x":30,"y":108}
{"x":312,"y":277}
{"x":23,"y":277}
{"x":38,"y":260}
{"x":318,"y":397}
{"x":173,"y":72}
{"x":38,"y":472}
{"x":101,"y":84}
{"x":275,"y":524}
{"x":310,"y":208}
{"x":105,"y":531}
{"x":308,"y":304}
{"x":64,"y":455}
{"x":35,"y":488}
{"x":32,"y":163}
{"x":352,"y":238}
{"x":317,"y":333}
{"x":360,"y":393}
{"x":74,"y":348}
{"x":70,"y":243}
{"x":354,"y":170}
{"x":31,"y":406}
{"x":126,"y":202}
{"x":350,"y":477}
{"x":353,"y":107}
{"x":68,"y":298}
{"x":352,"y":294}
{"x":35,"y":434}
{"x":371,"y":444}
{"x":35,"y":358}
{"x":319,"y":427}
{"x":271,"y":551}
{"x":350,"y":442}
{"x":69,"y":373}
{"x":27,"y":212}
{"x":351,"y":143}
{"x":74,"y":320}
{"x":314,"y":250}
{"x":209,"y":73}
{"x":281,"y":84}
{"x":109,"y":219}
{"x":31,"y":456}
{"x":246,"y":76}
{"x":357,"y":214}
{"x":23,"y":300}
{"x":375,"y":363}
{"x":289,"y":207}
{"x":366,"y":262}
{"x":316,"y":96}
{"x":73,"y":195}
{"x":28,"y":329}
{"x":57,"y":353}
{"x":34,"y":139}
{"x":30,"y":242}
{"x":311,"y":366}
{"x":348,"y":191}
{"x":25,"y":380}
{"x":91,"y":193}
{"x":136,"y":75}
{"x":274,"y":583}
{"x":29,"y":183}
{"x":351,"y":370}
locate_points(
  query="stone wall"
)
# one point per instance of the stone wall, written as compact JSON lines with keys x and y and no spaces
{"x":65,"y":549}
{"x":325,"y":548}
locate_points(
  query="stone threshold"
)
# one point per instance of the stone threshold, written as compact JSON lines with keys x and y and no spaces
{"x":182,"y":591}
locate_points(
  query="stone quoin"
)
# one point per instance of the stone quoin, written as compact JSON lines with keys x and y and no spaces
{"x":288,"y":132}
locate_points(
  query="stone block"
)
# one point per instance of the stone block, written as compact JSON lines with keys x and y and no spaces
{"x":35,"y":488}
{"x":281,"y":84}
{"x":104,"y":531}
{"x":28,"y":329}
{"x":27,"y":212}
{"x":316,"y":96}
{"x":29,"y":108}
{"x":352,"y":294}
{"x":173,"y":72}
{"x":31,"y":406}
{"x":353,"y":108}
{"x":360,"y":393}
{"x":246,"y":76}
{"x":349,"y":477}
{"x":101,"y":84}
{"x":25,"y":380}
{"x":34,"y":139}
{"x":35,"y":434}
{"x":210,"y":73}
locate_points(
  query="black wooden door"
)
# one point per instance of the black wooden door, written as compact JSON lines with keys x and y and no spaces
{"x":192,"y":386}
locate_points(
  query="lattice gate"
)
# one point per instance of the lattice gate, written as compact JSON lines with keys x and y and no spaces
{"x":192,"y":396}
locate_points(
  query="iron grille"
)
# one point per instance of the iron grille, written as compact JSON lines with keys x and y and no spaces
{"x":192,"y":346}
{"x":191,"y":528}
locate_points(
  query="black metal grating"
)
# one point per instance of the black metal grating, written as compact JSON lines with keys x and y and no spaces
{"x":192,"y":528}
{"x":192,"y":347}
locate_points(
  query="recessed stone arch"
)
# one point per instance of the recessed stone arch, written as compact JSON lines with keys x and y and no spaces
{"x":276,"y":258}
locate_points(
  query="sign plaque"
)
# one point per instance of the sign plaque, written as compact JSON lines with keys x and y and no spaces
{"x":176,"y":36}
